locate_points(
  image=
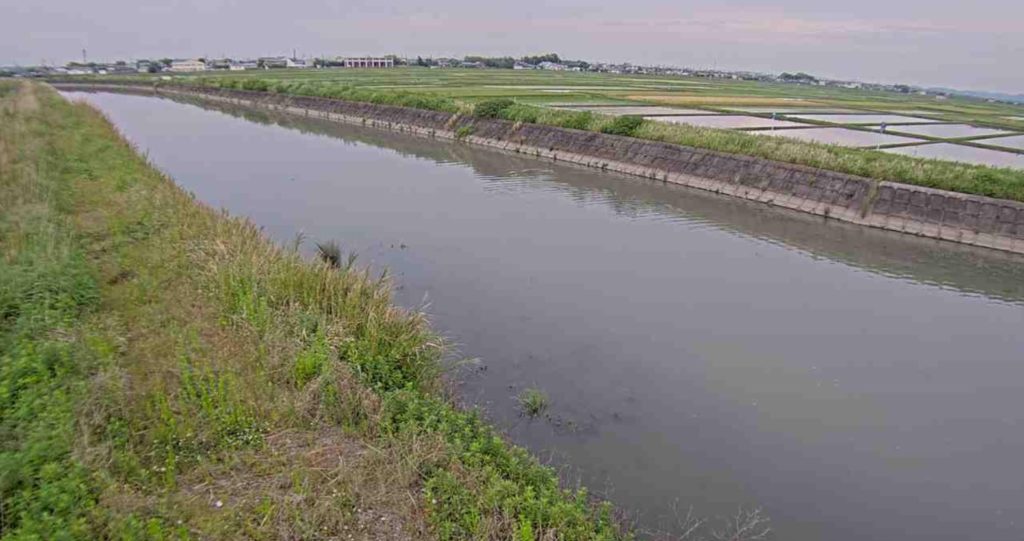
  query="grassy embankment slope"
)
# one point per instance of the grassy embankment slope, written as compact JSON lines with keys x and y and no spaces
{"x":1001,"y":183}
{"x":166,"y":372}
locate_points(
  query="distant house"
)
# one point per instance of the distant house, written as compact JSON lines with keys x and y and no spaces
{"x":187,"y":65}
{"x":218,"y":64}
{"x":523,"y":66}
{"x":472,"y":65}
{"x":369,"y":62}
{"x":553,"y":66}
{"x":115,"y":68}
{"x":242,"y":65}
{"x":296,"y":63}
{"x":273,"y":62}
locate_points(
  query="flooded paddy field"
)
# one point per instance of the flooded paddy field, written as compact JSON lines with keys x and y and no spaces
{"x":842,"y":136}
{"x":864,"y":119}
{"x":1016,"y":141}
{"x":946,"y":131}
{"x":963,"y":153}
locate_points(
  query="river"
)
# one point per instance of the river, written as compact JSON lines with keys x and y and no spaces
{"x":699,"y":352}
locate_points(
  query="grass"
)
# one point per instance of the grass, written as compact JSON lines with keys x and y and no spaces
{"x":168,"y":373}
{"x":329,"y":252}
{"x":533,"y":402}
{"x":1003,"y":183}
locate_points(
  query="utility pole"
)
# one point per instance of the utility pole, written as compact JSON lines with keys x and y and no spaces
{"x":84,"y":59}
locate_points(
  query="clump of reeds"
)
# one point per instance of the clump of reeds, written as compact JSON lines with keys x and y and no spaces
{"x":533,"y":402}
{"x":329,"y":252}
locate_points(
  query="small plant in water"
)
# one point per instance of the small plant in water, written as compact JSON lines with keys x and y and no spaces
{"x":329,"y":252}
{"x":533,"y":402}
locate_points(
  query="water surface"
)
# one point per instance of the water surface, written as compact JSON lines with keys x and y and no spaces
{"x":946,"y":130}
{"x":842,"y":136}
{"x":699,"y":351}
{"x":866,"y":119}
{"x":964,"y":154}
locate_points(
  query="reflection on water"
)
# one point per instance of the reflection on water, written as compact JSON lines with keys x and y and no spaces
{"x":698,"y":350}
{"x":842,"y":136}
{"x":965,"y":154}
{"x":946,"y":130}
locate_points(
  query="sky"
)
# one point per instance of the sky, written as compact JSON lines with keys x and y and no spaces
{"x":976,"y":45}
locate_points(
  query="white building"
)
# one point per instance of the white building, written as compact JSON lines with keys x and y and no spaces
{"x":553,"y":66}
{"x":296,"y":63}
{"x":369,"y":62}
{"x":187,"y":65}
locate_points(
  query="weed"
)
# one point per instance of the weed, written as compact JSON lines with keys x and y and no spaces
{"x":329,"y":252}
{"x":624,"y":125}
{"x":310,"y":362}
{"x":493,"y":108}
{"x":532,"y":401}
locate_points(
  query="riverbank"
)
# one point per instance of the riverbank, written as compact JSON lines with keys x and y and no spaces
{"x":168,"y":372}
{"x":917,"y":210}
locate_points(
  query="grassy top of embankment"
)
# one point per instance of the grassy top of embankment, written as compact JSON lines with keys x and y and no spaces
{"x":167,"y":372}
{"x":1003,"y":183}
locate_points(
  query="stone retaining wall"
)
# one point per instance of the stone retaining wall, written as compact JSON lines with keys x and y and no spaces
{"x":968,"y":219}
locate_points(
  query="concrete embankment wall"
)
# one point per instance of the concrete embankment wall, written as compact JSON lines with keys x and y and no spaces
{"x":968,"y":219}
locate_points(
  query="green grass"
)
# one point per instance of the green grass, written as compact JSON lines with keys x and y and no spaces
{"x":46,"y":285}
{"x":168,"y":373}
{"x":533,"y":402}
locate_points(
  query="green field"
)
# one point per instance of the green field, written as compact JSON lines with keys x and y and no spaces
{"x":549,"y":87}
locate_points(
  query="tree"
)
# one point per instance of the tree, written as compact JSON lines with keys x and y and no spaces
{"x":534,"y":60}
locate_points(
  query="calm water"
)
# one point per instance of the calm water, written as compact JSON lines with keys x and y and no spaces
{"x":945,"y":130}
{"x":842,"y":136}
{"x":865,"y":119}
{"x":699,"y":351}
{"x":965,"y":154}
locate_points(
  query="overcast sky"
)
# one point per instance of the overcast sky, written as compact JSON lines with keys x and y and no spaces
{"x":967,"y":44}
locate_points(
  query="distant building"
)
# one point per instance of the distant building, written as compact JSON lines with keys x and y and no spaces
{"x":369,"y":62}
{"x":271,"y":62}
{"x":187,"y":65}
{"x":523,"y":66}
{"x":241,"y":65}
{"x":553,"y":66}
{"x":295,"y":63}
{"x":218,"y":64}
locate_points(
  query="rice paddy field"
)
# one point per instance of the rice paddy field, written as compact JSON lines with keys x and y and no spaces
{"x":957,"y":129}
